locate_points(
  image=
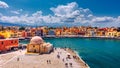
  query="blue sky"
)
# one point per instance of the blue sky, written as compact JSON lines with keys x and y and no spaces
{"x":82,"y":12}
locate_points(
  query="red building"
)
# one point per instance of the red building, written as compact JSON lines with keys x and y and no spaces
{"x":8,"y":44}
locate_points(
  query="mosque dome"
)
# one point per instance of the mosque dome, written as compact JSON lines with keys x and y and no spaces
{"x":36,"y":40}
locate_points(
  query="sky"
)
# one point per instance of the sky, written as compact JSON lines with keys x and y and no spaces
{"x":105,"y":13}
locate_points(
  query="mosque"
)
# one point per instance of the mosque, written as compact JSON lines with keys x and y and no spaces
{"x":37,"y":45}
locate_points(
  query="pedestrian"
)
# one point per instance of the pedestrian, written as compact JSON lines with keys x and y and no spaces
{"x":58,"y":56}
{"x":63,"y":59}
{"x":55,"y":48}
{"x":20,"y":51}
{"x":18,"y":59}
{"x":70,"y":64}
{"x":50,"y":61}
{"x":85,"y":64}
{"x":66,"y":64}
{"x":47,"y":61}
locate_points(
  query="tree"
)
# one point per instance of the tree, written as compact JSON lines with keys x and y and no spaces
{"x":22,"y":28}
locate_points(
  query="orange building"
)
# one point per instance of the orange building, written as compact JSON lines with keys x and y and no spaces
{"x":8,"y":44}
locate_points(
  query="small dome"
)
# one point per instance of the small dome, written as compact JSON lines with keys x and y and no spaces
{"x":36,"y":40}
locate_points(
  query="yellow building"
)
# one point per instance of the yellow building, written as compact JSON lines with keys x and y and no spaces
{"x":112,"y":34}
{"x":6,"y":34}
{"x":118,"y":34}
{"x":37,"y":45}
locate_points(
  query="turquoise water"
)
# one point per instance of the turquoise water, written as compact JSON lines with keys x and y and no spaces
{"x":97,"y":53}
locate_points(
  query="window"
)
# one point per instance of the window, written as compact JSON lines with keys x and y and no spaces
{"x":15,"y":41}
{"x":2,"y":42}
{"x":11,"y":41}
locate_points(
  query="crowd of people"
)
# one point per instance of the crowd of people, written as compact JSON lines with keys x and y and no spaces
{"x":65,"y":59}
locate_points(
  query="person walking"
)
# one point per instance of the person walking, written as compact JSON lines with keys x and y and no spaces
{"x":18,"y":59}
{"x":63,"y":59}
{"x":70,"y":64}
{"x":47,"y":61}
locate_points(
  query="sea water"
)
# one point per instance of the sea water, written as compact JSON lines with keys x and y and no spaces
{"x":97,"y":53}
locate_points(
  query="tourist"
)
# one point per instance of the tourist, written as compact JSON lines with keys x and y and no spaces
{"x":22,"y":48}
{"x":78,"y":58}
{"x":55,"y":48}
{"x":73,"y":57}
{"x":66,"y":64}
{"x":58,"y":56}
{"x":47,"y":61}
{"x":50,"y":61}
{"x":63,"y":59}
{"x":20,"y":51}
{"x":85,"y":64}
{"x":70,"y":64}
{"x":18,"y":59}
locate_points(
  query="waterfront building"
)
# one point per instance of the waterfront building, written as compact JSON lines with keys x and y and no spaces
{"x":28,"y":34}
{"x":19,"y":33}
{"x":15,"y":32}
{"x":24,"y":34}
{"x":58,"y":32}
{"x":6,"y":34}
{"x":8,"y":44}
{"x":1,"y":36}
{"x":39,"y":32}
{"x":112,"y":34}
{"x":118,"y":34}
{"x":14,"y":35}
{"x":37,"y":45}
{"x":99,"y":32}
{"x":51,"y":32}
{"x":82,"y":33}
{"x":33,"y":30}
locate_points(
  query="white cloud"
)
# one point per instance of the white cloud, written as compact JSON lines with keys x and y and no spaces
{"x":3,"y":4}
{"x":20,"y":10}
{"x":34,"y":18}
{"x":69,"y":10}
{"x":17,"y":11}
{"x":69,"y":13}
{"x":103,"y":19}
{"x":37,"y":14}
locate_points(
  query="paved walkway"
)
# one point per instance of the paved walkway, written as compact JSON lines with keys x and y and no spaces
{"x":18,"y":59}
{"x":63,"y":54}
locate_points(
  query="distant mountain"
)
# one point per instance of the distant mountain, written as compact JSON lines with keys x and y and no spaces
{"x":41,"y":24}
{"x":12,"y":24}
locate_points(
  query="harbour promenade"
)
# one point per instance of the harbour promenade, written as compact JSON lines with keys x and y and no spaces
{"x":60,"y":58}
{"x":73,"y":36}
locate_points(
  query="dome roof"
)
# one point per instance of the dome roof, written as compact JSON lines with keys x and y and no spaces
{"x":36,"y":40}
